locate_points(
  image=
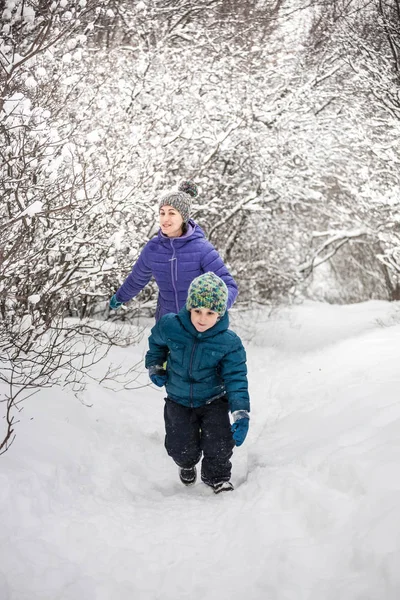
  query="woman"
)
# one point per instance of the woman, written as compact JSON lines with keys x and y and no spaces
{"x":174,"y":257}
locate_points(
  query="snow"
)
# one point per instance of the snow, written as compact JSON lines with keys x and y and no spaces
{"x":6,"y":15}
{"x":34,"y":298}
{"x":17,"y":104}
{"x":30,"y":82}
{"x":93,"y":137}
{"x":28,"y":14}
{"x":92,"y":507}
{"x":141,"y":6}
{"x":33,"y":209}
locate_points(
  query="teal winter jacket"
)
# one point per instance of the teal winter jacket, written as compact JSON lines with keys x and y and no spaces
{"x":200,"y":366}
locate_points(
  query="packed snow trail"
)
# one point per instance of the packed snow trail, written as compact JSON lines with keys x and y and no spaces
{"x":92,"y":506}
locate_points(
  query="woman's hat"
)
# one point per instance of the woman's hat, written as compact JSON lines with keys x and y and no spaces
{"x":182,"y":199}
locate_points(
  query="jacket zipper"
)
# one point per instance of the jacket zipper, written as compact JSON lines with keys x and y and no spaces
{"x":190,"y":373}
{"x":174,"y":275}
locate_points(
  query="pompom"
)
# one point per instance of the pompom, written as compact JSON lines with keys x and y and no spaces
{"x":189,"y":187}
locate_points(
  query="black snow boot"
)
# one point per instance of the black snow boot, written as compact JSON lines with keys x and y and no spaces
{"x":188,"y":476}
{"x":222,"y":486}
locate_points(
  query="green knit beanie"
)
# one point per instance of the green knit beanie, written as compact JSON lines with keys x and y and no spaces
{"x":208,"y":291}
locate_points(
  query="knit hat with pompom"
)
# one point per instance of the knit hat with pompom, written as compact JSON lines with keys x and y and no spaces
{"x":208,"y":291}
{"x":182,"y":199}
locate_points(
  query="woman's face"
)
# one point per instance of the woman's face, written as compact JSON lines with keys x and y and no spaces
{"x":171,"y":221}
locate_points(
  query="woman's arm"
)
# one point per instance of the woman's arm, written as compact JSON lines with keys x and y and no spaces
{"x":139,"y":277}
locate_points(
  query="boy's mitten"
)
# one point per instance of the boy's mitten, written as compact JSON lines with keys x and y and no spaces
{"x":158,"y":375}
{"x":114,"y":303}
{"x":240,"y":426}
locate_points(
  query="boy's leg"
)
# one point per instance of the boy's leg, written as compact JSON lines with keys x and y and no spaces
{"x":216,"y":442}
{"x":182,"y":434}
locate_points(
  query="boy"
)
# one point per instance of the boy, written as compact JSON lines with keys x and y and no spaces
{"x":205,"y":377}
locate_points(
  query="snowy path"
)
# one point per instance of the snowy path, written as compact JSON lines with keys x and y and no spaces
{"x":92,"y":508}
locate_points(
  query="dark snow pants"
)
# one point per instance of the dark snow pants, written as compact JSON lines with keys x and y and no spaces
{"x":191,"y":432}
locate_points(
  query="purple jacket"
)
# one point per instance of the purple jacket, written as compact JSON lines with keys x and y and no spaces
{"x":174,"y":263}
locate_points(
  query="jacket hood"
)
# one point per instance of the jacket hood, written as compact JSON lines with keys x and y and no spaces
{"x":221,"y":325}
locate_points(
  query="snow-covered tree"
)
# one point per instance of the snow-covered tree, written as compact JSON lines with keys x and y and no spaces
{"x":352,"y":48}
{"x":284,"y":113}
{"x":52,"y":220}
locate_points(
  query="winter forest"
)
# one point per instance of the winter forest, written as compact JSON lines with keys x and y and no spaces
{"x":286,"y":113}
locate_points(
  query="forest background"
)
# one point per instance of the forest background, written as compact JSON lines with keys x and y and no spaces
{"x":286,"y":114}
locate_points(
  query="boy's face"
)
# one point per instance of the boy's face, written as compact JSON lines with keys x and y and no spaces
{"x":203,"y":318}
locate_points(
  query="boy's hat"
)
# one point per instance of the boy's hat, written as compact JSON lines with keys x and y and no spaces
{"x":182,"y":199}
{"x":208,"y":291}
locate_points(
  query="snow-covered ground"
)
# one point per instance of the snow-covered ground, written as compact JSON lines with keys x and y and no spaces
{"x":92,"y":509}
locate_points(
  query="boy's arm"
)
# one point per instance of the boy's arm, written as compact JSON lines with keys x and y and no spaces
{"x":234,"y":373}
{"x":158,"y":349}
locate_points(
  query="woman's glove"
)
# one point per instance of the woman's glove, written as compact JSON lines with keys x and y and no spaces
{"x":240,"y":426}
{"x":158,"y":375}
{"x":114,"y":303}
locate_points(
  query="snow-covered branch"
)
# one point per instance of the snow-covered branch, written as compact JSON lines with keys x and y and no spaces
{"x":336,"y":239}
